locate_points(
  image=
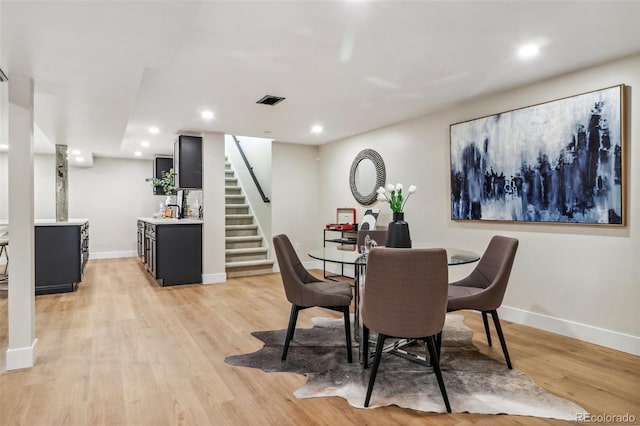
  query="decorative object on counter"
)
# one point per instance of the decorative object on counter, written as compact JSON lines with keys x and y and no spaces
{"x":398,"y":235}
{"x":165,"y":183}
{"x":369,"y":243}
{"x":62,"y":197}
{"x":345,"y":220}
{"x":369,"y":220}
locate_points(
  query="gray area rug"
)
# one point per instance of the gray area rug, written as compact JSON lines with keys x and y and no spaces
{"x":475,"y":383}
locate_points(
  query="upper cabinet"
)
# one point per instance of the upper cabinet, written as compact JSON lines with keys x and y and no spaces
{"x":187,"y":162}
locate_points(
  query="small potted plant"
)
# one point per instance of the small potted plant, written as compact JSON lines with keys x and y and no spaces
{"x":165,"y":183}
{"x":398,"y":231}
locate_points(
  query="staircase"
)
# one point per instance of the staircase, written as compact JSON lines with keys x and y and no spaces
{"x":245,"y":251}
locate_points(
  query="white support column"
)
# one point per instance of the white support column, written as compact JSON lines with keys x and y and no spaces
{"x":21,"y":299}
{"x":213,"y":256}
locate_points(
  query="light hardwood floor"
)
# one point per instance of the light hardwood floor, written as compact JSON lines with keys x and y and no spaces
{"x":123,"y":351}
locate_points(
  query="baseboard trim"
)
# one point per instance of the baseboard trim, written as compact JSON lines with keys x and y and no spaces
{"x":112,"y":254}
{"x":21,"y":357}
{"x":599,"y":336}
{"x":214,"y":278}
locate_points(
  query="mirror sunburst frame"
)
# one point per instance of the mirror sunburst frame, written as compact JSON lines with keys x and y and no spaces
{"x":381,"y":176}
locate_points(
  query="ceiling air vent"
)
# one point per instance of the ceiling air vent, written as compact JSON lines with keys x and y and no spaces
{"x":270,"y":100}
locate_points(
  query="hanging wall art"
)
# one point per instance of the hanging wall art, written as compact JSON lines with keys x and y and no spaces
{"x":560,"y":161}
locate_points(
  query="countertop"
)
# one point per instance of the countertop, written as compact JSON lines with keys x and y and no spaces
{"x":170,"y":221}
{"x":52,"y":222}
{"x":70,"y":222}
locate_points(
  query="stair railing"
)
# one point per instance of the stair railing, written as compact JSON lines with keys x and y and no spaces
{"x":250,"y":168}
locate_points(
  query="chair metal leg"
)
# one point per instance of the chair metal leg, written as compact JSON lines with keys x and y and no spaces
{"x":364,"y":342}
{"x":347,"y":332}
{"x":503,"y":343}
{"x":293,"y":318}
{"x":435,"y":362}
{"x":374,"y":369}
{"x":486,"y":327}
{"x":439,"y":343}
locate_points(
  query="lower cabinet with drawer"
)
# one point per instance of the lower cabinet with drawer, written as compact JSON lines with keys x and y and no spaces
{"x":173,"y":252}
{"x":61,"y":253}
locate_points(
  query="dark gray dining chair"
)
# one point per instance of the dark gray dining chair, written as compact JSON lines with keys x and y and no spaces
{"x":304,"y":291}
{"x":483,"y":289}
{"x":379,"y":236}
{"x":405,"y":297}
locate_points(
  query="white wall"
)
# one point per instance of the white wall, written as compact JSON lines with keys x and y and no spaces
{"x":296,"y":199}
{"x":111,"y":194}
{"x":581,"y":281}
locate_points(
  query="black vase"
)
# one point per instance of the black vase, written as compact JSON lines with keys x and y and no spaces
{"x":398,"y":232}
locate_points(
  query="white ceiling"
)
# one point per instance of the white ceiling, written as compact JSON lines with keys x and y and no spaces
{"x":105,"y":71}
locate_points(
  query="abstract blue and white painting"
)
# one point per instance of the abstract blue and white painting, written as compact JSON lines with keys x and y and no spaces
{"x":559,"y":161}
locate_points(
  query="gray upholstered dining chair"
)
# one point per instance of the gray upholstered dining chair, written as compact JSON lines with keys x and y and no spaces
{"x":304,"y":291}
{"x":379,"y":236}
{"x":406,"y":297}
{"x":483,"y":289}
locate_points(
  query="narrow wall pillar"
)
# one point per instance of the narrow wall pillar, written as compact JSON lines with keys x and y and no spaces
{"x":213,"y":255}
{"x":62,"y":197}
{"x":21,"y":298}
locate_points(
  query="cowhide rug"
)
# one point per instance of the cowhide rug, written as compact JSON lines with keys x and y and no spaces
{"x":475,"y":383}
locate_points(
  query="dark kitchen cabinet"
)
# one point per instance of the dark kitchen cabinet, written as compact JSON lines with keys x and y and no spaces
{"x":173,"y":252}
{"x":141,"y":239}
{"x":161,"y":165}
{"x":150,"y":247}
{"x":61,"y":253}
{"x":187,"y":162}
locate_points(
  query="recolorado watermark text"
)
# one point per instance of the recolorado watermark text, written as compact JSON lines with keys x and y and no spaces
{"x":614,"y":419}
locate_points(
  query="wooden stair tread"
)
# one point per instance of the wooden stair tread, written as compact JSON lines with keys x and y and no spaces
{"x":248,"y":250}
{"x":243,"y":238}
{"x":246,"y":263}
{"x":240,"y":227}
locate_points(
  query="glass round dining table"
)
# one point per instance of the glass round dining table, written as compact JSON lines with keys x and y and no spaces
{"x":353,"y":257}
{"x":337,"y":255}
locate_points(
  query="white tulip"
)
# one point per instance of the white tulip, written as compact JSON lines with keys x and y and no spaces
{"x":399,"y":187}
{"x":381,"y":197}
{"x":380,"y":190}
{"x":412,"y":189}
{"x":390,"y":187}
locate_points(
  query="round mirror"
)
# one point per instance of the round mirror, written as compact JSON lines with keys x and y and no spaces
{"x":366,"y":176}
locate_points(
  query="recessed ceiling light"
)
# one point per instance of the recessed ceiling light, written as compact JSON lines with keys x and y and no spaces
{"x":79,"y":159}
{"x":76,"y":152}
{"x":316,"y":129}
{"x":527,"y":51}
{"x":153,"y":130}
{"x":137,"y":153}
{"x":144,"y":143}
{"x":4,"y":146}
{"x":207,"y":115}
